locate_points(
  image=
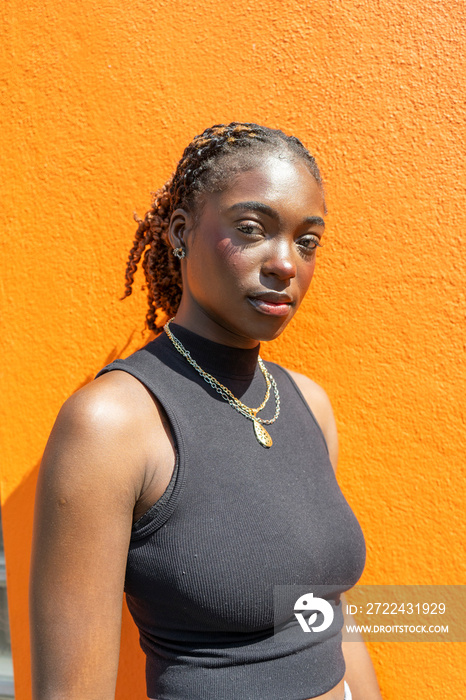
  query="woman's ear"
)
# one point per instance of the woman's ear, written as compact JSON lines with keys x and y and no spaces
{"x":179,"y":227}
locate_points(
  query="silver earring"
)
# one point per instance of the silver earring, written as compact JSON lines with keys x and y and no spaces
{"x":179,"y":253}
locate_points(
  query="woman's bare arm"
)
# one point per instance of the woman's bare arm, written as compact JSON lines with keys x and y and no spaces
{"x":360,"y":673}
{"x":93,"y":472}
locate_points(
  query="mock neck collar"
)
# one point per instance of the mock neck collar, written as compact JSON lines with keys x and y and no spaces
{"x":215,"y":358}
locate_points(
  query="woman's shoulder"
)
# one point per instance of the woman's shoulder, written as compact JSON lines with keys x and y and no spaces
{"x":115,"y":401}
{"x":318,"y":401}
{"x":312,"y":391}
{"x":104,"y":433}
{"x":315,"y":395}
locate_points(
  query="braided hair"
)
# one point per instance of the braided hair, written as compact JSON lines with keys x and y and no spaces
{"x":205,"y":166}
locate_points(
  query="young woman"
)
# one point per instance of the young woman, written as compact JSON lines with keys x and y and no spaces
{"x":196,"y":477}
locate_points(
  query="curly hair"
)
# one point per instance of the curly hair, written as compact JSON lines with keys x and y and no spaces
{"x":205,"y":166}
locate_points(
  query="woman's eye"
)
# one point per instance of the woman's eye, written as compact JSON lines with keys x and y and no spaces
{"x":249,"y":228}
{"x":310,"y":243}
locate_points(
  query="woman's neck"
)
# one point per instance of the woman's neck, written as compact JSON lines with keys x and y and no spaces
{"x":223,"y":361}
{"x":193,"y":318}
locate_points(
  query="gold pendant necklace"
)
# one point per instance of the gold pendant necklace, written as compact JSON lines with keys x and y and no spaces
{"x":260,"y":432}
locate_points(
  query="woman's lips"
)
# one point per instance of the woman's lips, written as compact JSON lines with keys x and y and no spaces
{"x":269,"y":307}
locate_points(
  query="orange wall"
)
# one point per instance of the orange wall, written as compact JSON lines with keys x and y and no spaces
{"x":101,"y":99}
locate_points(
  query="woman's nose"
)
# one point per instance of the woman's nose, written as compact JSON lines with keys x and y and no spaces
{"x":280,"y":262}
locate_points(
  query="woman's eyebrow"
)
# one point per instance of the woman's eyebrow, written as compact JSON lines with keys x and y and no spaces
{"x":256,"y":206}
{"x":265,"y":209}
{"x":314,"y":221}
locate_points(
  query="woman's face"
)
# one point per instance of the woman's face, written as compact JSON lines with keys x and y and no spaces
{"x":251,"y":253}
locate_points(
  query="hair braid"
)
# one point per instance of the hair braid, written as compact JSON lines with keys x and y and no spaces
{"x":203,"y":167}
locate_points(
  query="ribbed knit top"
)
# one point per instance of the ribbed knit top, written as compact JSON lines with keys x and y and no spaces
{"x":215,"y":566}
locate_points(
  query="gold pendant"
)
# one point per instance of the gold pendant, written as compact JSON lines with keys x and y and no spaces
{"x":262,"y":435}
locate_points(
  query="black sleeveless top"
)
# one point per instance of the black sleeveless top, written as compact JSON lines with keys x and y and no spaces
{"x":216,"y":565}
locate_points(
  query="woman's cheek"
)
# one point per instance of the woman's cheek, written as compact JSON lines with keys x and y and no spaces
{"x":234,"y":257}
{"x":306,"y":278}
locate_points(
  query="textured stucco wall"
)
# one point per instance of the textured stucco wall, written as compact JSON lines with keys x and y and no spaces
{"x":100,"y":99}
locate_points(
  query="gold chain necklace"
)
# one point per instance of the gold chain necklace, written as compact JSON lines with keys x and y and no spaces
{"x":251,"y":413}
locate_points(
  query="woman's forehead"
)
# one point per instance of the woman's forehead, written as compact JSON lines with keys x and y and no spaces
{"x":274,"y":180}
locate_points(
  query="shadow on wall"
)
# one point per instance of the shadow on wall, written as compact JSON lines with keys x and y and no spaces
{"x":128,"y":348}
